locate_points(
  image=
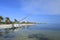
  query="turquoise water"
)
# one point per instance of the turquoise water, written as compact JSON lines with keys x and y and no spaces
{"x":34,"y":32}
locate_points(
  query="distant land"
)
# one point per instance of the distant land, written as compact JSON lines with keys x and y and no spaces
{"x":23,"y":22}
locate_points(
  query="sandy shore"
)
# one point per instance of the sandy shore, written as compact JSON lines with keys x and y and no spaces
{"x":2,"y":26}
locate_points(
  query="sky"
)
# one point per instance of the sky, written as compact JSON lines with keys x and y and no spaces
{"x":36,"y":10}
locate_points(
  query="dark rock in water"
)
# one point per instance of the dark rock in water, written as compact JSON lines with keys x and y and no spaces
{"x":31,"y":36}
{"x":8,"y":36}
{"x":0,"y":33}
{"x":42,"y":38}
{"x":38,"y":36}
{"x":5,"y":36}
{"x":35,"y":35}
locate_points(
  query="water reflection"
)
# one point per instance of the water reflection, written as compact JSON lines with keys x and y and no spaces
{"x":25,"y":27}
{"x":8,"y":34}
{"x":24,"y":33}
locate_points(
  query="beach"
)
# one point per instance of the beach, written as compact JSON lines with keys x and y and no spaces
{"x":2,"y":26}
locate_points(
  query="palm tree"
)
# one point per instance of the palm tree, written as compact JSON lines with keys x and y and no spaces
{"x":7,"y":21}
{"x":15,"y":21}
{"x":1,"y":18}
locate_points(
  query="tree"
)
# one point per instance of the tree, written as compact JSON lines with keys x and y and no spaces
{"x":23,"y":22}
{"x":16,"y":21}
{"x":1,"y":18}
{"x":7,"y":21}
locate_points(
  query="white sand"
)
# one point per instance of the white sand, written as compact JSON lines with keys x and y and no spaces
{"x":2,"y":26}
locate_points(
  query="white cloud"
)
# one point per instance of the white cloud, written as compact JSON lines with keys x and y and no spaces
{"x":41,"y":6}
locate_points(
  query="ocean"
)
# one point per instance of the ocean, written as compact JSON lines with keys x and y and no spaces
{"x":33,"y":32}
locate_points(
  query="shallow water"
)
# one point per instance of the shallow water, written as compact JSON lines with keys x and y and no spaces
{"x":34,"y":32}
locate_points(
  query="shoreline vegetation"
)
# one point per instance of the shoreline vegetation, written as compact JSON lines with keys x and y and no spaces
{"x":7,"y":20}
{"x":7,"y":23}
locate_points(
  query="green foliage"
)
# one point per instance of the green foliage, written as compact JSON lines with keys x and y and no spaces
{"x":7,"y":21}
{"x":27,"y":22}
{"x":1,"y":18}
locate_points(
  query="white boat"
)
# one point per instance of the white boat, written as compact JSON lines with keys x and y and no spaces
{"x":16,"y":25}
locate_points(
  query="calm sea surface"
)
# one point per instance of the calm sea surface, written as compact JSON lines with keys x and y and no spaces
{"x":34,"y":32}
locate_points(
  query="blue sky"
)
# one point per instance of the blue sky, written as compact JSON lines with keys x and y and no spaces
{"x":38,"y":10}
